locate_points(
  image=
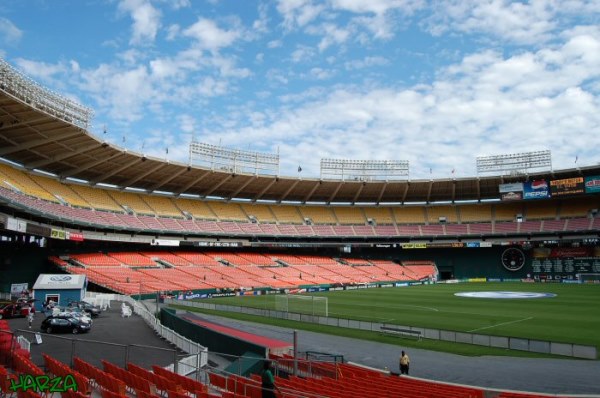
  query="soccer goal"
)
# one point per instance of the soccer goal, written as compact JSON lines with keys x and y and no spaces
{"x":300,"y":304}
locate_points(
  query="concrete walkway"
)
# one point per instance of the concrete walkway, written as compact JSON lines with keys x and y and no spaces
{"x":555,"y":376}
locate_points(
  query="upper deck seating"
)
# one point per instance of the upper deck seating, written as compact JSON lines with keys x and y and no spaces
{"x":228,"y":211}
{"x":475,"y":213}
{"x":262,"y":213}
{"x":350,"y":215}
{"x":436,"y":214}
{"x":133,"y":201}
{"x":163,"y":206}
{"x":287,"y":214}
{"x":97,"y":198}
{"x":318,"y":214}
{"x":12,"y":177}
{"x":409,"y":215}
{"x":381,"y":215}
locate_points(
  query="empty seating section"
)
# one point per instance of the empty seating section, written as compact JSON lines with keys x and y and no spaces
{"x":57,"y":368}
{"x":419,"y":269}
{"x":199,"y":259}
{"x":162,"y":206}
{"x":96,"y":259}
{"x":578,"y":207}
{"x":436,"y":214}
{"x":257,"y":258}
{"x":339,"y":380}
{"x":133,"y":259}
{"x":553,"y":225}
{"x":541,"y":210}
{"x":228,"y":211}
{"x":475,"y":213}
{"x":59,"y":189}
{"x":97,"y":198}
{"x":199,"y":210}
{"x":409,"y":215}
{"x":381,"y":215}
{"x":507,"y":211}
{"x":170,"y":258}
{"x":131,"y":273}
{"x":23,"y":183}
{"x":350,"y":215}
{"x":159,"y":213}
{"x":318,"y":215}
{"x":287,"y":214}
{"x":133,"y":201}
{"x":103,"y":379}
{"x":262,"y":213}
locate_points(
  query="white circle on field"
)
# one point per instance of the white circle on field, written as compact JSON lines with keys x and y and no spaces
{"x":505,"y":295}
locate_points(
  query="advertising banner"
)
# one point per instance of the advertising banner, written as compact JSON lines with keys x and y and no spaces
{"x":38,"y":230}
{"x":414,"y":245}
{"x":537,"y":189}
{"x":515,"y":187}
{"x":58,"y":234}
{"x":76,"y":236}
{"x":592,"y":184}
{"x":567,"y":186}
{"x":13,"y":224}
{"x":512,"y":196}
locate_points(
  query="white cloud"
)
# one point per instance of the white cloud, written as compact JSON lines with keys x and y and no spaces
{"x":331,"y":34}
{"x":530,"y":23}
{"x":302,"y":54}
{"x":366,"y":62}
{"x":187,"y":123}
{"x":41,"y":70}
{"x":209,"y":36}
{"x":274,"y":44}
{"x":486,"y":104}
{"x":9,"y":32}
{"x":378,"y":7}
{"x":173,"y":32}
{"x":298,"y":13}
{"x":321,"y":74}
{"x":146,"y":20}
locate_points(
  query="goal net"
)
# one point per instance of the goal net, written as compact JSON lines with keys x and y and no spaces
{"x":312,"y":305}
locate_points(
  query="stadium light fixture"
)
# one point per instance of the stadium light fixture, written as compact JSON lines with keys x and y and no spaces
{"x":364,"y":170}
{"x":516,"y":163}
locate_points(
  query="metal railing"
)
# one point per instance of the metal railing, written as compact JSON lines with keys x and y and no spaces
{"x":504,"y":342}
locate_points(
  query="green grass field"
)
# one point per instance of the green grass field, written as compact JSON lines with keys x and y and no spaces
{"x":572,"y":316}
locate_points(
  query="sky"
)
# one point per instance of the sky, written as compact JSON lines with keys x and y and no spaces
{"x":436,"y":83}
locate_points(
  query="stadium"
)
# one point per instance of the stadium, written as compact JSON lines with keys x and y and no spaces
{"x":204,"y":235}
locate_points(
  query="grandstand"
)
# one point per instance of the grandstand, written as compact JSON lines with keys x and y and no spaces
{"x":138,"y":225}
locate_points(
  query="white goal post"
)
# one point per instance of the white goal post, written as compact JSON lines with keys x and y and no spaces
{"x":301,"y":304}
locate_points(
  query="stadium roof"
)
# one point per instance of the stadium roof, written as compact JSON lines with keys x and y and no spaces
{"x":34,"y":138}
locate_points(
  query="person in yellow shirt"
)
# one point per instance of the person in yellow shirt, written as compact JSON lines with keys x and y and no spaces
{"x":404,"y":363}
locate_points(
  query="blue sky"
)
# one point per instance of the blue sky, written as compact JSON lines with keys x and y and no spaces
{"x":435,"y":83}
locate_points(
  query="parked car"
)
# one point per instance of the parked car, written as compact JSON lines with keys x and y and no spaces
{"x":73,"y":312}
{"x":64,"y":324}
{"x":14,"y":310}
{"x":93,"y":310}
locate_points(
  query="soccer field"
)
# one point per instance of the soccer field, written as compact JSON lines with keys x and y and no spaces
{"x":572,"y":316}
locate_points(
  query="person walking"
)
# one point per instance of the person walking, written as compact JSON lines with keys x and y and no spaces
{"x":30,"y":316}
{"x":404,"y":363}
{"x":268,"y":381}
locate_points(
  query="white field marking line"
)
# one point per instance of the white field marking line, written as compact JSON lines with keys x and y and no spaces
{"x":399,"y":306}
{"x":500,"y":324}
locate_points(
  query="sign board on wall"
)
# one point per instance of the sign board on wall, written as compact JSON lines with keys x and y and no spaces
{"x":567,"y":186}
{"x":592,"y":184}
{"x":537,"y":189}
